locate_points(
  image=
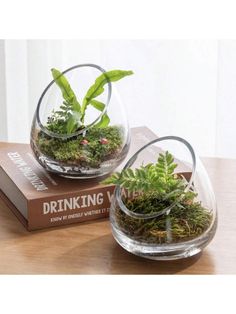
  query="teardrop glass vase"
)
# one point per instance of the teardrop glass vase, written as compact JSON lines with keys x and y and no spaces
{"x":95,"y":148}
{"x":164,"y":206}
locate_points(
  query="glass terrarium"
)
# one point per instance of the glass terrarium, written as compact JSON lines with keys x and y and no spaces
{"x":80,"y":128}
{"x":164,"y":206}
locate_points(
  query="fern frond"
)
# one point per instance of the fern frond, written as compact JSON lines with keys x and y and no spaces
{"x":157,"y":177}
{"x":113,"y":179}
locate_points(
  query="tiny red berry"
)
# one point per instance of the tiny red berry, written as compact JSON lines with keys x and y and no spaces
{"x":84,"y":142}
{"x":104,"y":141}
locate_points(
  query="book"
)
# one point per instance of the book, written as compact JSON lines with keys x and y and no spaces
{"x":41,"y":199}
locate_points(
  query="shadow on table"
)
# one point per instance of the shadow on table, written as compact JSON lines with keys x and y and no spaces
{"x":105,"y":256}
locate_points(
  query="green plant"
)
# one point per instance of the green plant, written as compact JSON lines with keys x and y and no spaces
{"x":71,"y":115}
{"x":159,"y":187}
{"x":158,"y":178}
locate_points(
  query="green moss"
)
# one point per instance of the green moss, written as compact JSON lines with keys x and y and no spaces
{"x":187,"y":220}
{"x":98,"y":145}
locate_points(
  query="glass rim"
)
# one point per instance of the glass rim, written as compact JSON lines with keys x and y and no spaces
{"x":130,"y":162}
{"x":66,"y":136}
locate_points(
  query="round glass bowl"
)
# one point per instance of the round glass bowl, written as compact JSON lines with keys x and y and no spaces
{"x":165,"y":210}
{"x":91,"y":151}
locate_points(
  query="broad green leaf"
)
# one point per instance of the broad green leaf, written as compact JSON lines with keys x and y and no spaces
{"x":73,"y":122}
{"x":98,"y":87}
{"x":97,"y":104}
{"x":70,"y":125}
{"x":67,"y":92}
{"x":105,"y":120}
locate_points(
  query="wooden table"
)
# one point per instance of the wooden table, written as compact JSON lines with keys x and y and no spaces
{"x":89,"y":248}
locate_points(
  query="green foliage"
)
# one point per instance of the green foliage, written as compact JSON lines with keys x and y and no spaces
{"x":105,"y":120}
{"x":67,"y":92}
{"x":157,"y":177}
{"x":98,"y":87}
{"x":71,"y":115}
{"x":67,"y":119}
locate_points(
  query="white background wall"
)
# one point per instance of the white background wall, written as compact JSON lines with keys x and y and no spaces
{"x":185,"y":88}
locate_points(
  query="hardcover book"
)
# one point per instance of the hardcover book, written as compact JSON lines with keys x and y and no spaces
{"x":41,"y":199}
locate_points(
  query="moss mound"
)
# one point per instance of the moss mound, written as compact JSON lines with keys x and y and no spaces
{"x":90,"y":150}
{"x":187,"y":220}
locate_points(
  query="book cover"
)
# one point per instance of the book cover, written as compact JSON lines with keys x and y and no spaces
{"x":41,"y":199}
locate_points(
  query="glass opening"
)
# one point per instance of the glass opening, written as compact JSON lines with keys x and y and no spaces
{"x":80,"y":77}
{"x":184,"y":157}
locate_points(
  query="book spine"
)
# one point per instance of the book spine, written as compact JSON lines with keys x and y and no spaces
{"x":70,"y":208}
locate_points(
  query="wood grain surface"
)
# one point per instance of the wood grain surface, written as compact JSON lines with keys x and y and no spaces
{"x":89,"y":248}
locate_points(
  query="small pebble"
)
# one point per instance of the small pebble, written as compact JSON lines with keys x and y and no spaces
{"x":104,"y":141}
{"x":84,"y":142}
